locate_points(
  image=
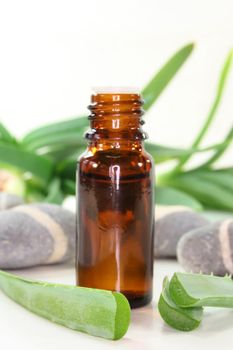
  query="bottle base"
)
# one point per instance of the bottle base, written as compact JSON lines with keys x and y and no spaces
{"x":138,"y":301}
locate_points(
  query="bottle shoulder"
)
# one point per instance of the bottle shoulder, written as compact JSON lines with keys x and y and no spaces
{"x":129,"y":162}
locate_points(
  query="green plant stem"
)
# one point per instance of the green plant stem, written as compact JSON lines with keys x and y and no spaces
{"x":158,"y":83}
{"x":220,"y":150}
{"x":210,"y":117}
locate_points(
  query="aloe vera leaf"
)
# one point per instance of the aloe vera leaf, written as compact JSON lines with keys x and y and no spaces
{"x":163,"y":153}
{"x":39,"y":166}
{"x":67,"y":168}
{"x":5,"y":135}
{"x":210,"y":117}
{"x":223,"y":179}
{"x":172,"y":196}
{"x":220,"y":150}
{"x":34,"y":195}
{"x":64,"y":126}
{"x":195,"y":290}
{"x":69,"y":187}
{"x":219,"y":93}
{"x":176,"y":317}
{"x":228,"y":170}
{"x":58,"y":152}
{"x":55,"y":194}
{"x":158,"y":83}
{"x":208,"y":193}
{"x":97,"y":312}
{"x":73,"y":138}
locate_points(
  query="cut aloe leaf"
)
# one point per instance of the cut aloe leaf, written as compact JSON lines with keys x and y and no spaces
{"x":158,"y":83}
{"x":38,"y":166}
{"x":172,"y":196}
{"x":97,"y":312}
{"x":176,"y":317}
{"x":195,"y":290}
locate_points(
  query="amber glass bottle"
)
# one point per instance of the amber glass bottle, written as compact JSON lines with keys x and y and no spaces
{"x":115,"y":213}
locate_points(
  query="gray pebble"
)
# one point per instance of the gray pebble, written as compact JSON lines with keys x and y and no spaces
{"x":171,"y":223}
{"x":9,"y":200}
{"x":208,"y":249}
{"x":36,"y":234}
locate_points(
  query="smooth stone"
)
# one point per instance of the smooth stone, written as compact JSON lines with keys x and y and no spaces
{"x":171,"y":223}
{"x":9,"y":200}
{"x":208,"y":249}
{"x":36,"y":234}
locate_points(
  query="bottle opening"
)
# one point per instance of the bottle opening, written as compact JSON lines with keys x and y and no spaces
{"x":116,"y":115}
{"x":116,"y":99}
{"x":116,"y":90}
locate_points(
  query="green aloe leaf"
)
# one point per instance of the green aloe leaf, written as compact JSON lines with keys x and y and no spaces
{"x":220,"y":149}
{"x":219,"y":93}
{"x":158,"y":83}
{"x":53,"y":128}
{"x":73,"y":138}
{"x":97,"y":312}
{"x":5,"y":135}
{"x":163,"y":153}
{"x":210,"y":117}
{"x":213,"y":189}
{"x":69,"y":187}
{"x":38,"y":166}
{"x":175,"y":316}
{"x":67,"y":168}
{"x":220,"y":178}
{"x":58,"y":152}
{"x":172,"y":196}
{"x":55,"y":194}
{"x":34,"y":193}
{"x":196,"y":290}
{"x":69,"y":132}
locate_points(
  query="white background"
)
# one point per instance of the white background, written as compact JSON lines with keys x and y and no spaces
{"x":53,"y":52}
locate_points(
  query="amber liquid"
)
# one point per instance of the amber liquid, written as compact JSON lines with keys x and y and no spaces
{"x":115,"y":226}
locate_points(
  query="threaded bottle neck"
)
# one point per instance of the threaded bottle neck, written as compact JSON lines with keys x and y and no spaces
{"x":116,"y":116}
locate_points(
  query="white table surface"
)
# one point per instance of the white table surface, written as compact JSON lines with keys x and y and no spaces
{"x":22,"y":330}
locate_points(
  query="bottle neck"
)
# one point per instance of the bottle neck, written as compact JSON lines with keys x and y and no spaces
{"x":115,"y":121}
